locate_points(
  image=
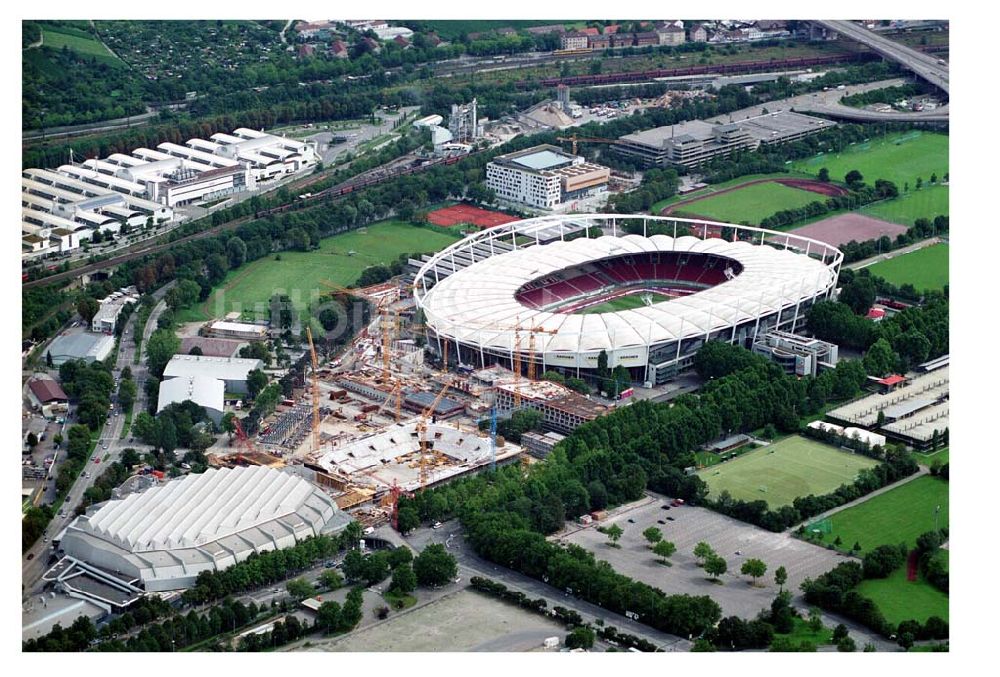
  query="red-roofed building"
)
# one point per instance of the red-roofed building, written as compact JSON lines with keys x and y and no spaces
{"x":611,"y":29}
{"x":339,"y":49}
{"x":401,"y":41}
{"x":876,"y":314}
{"x":599,"y":41}
{"x":45,"y":391}
{"x":891,"y":382}
{"x":590,"y":31}
{"x":305,"y":51}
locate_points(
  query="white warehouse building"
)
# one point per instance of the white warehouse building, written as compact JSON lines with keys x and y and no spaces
{"x":163,"y":537}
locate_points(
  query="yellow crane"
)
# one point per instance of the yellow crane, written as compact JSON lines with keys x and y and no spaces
{"x":315,"y":391}
{"x":422,"y":434}
{"x":386,"y":322}
{"x":585,"y":139}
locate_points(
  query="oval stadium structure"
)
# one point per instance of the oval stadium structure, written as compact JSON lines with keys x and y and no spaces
{"x":646,"y":290}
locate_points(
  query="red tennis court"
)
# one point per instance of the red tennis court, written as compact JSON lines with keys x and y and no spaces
{"x":462,"y":213}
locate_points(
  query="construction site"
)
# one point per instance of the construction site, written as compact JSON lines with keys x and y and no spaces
{"x":377,"y":422}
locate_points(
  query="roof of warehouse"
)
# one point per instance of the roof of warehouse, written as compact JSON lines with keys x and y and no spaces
{"x":47,"y":390}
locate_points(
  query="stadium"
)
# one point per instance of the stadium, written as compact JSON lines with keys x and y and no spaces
{"x":648,"y":291}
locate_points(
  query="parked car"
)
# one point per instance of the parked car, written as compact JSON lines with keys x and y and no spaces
{"x":437,"y":525}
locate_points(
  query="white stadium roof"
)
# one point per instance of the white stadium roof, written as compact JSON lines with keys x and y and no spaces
{"x":477,"y":304}
{"x":167,"y":534}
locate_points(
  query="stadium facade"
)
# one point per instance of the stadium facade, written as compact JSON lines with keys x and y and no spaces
{"x":501,"y":296}
{"x":163,"y":537}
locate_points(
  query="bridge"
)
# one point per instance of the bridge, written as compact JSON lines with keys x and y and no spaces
{"x":926,"y":66}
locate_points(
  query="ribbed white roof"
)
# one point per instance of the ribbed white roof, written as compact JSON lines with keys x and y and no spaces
{"x":199,"y":509}
{"x":468,"y":303}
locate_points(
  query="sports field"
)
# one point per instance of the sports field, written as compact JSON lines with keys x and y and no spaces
{"x":783,"y":471}
{"x":900,"y":157}
{"x":77,"y":40}
{"x":339,"y":259}
{"x":751,"y":204}
{"x":623,"y":303}
{"x":899,"y":599}
{"x":897,"y":516}
{"x":925,"y":268}
{"x":926,"y":203}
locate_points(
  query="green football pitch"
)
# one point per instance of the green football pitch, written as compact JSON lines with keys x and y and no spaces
{"x":925,"y":268}
{"x":624,"y":303}
{"x":752,"y":204}
{"x":899,"y":515}
{"x":339,"y":259}
{"x":783,"y":471}
{"x":926,"y":203}
{"x":899,"y":157}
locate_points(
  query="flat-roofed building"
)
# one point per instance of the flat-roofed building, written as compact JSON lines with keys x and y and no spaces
{"x":544,"y":177}
{"x":106,"y":318}
{"x":206,"y":391}
{"x":80,"y":345}
{"x":212,"y":347}
{"x":540,"y":445}
{"x":232,"y":371}
{"x":242,"y":331}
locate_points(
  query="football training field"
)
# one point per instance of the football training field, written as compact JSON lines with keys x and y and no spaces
{"x":925,"y":268}
{"x":751,"y":204}
{"x":783,"y":471}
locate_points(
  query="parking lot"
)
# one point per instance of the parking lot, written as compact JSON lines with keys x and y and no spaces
{"x":727,"y":536}
{"x":462,"y":621}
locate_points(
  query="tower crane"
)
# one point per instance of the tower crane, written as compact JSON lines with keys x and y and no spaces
{"x":422,"y":434}
{"x":315,"y":392}
{"x":586,"y":139}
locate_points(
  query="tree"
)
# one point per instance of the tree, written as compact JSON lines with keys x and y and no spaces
{"x":859,"y":294}
{"x":87,"y":308}
{"x":815,"y":619}
{"x":48,"y":360}
{"x":299,"y":588}
{"x":906,"y":639}
{"x":846,"y":645}
{"x":614,"y":532}
{"x":399,"y":556}
{"x":129,"y":458}
{"x":126,"y":393}
{"x":32,"y":440}
{"x":854,"y":178}
{"x":408,"y":519}
{"x":839,"y":632}
{"x":331,"y":579}
{"x":880,"y":359}
{"x":715,"y":566}
{"x":404,"y":580}
{"x":653,"y":535}
{"x":328,"y":617}
{"x":920,"y":183}
{"x":580,"y":638}
{"x":824,"y":174}
{"x":782,"y":617}
{"x":228,"y":424}
{"x":433,"y":566}
{"x":236,"y":251}
{"x":754,"y":568}
{"x":780,"y":577}
{"x":664,"y":549}
{"x":256,"y":382}
{"x":162,"y":345}
{"x":703,"y":551}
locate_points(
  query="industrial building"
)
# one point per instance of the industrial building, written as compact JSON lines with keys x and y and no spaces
{"x":545,"y":177}
{"x":464,"y":123}
{"x":145,"y":186}
{"x":162,"y":538}
{"x":693,"y":143}
{"x":205,"y":391}
{"x":46,"y":392}
{"x":540,"y":445}
{"x":562,"y":409}
{"x":79,"y":344}
{"x":796,"y":354}
{"x":231,"y":371}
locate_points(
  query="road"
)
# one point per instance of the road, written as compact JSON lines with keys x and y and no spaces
{"x":470,"y":564}
{"x":108,"y":445}
{"x":924,"y":65}
{"x":864,"y":263}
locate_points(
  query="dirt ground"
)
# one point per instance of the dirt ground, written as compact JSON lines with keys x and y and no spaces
{"x":727,"y":536}
{"x":463,"y":621}
{"x":843,"y":228}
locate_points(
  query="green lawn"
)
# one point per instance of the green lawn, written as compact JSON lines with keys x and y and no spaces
{"x":623,"y":303}
{"x":715,"y":187}
{"x":299,"y":274}
{"x":779,"y":473}
{"x":897,"y":516}
{"x":899,"y":599}
{"x":752,"y":204}
{"x":79,"y":41}
{"x":925,"y":268}
{"x":899,"y":157}
{"x":802,"y":633}
{"x":926,"y":459}
{"x":926,"y":203}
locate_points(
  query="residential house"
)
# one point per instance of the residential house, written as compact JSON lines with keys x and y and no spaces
{"x":573,"y":41}
{"x":697,"y":33}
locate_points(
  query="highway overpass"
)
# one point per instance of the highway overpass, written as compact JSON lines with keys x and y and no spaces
{"x":924,"y":65}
